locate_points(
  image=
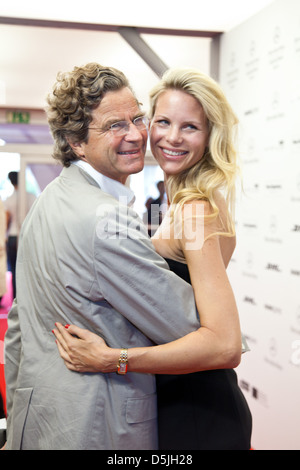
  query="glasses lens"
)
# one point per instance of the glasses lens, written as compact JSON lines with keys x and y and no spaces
{"x":119,"y":128}
{"x":141,"y":122}
{"x":122,"y":127}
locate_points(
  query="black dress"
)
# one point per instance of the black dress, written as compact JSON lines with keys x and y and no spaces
{"x":203,"y":410}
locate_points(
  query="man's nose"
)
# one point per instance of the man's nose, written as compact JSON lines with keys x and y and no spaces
{"x":134,"y":133}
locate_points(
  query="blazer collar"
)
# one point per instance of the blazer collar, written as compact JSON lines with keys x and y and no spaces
{"x":118,"y":190}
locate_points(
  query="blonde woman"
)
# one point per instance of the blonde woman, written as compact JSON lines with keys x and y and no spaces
{"x":200,"y":405}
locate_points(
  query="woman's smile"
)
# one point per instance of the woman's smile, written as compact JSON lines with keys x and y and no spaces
{"x":173,"y":153}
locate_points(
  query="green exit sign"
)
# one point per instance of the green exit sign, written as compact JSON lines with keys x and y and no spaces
{"x":18,"y":117}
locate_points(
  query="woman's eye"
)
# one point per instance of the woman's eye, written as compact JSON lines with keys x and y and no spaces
{"x":162,"y":122}
{"x":189,"y":127}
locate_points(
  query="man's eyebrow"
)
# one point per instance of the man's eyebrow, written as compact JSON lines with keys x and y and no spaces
{"x":111,"y":121}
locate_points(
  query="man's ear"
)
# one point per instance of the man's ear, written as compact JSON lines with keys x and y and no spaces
{"x":77,"y":147}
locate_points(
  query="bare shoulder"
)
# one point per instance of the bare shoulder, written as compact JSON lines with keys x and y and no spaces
{"x":200,"y":224}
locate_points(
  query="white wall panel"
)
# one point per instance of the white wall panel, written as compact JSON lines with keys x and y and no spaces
{"x":260,"y":74}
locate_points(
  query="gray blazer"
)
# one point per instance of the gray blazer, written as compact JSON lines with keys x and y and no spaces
{"x":86,"y":259}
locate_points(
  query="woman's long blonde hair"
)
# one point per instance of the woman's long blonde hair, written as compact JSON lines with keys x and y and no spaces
{"x":218,"y":169}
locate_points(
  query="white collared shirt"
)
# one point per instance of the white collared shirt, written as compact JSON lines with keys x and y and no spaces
{"x":108,"y":185}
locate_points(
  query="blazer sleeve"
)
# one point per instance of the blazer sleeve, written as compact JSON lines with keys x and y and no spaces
{"x":137,"y":282}
{"x":12,"y":348}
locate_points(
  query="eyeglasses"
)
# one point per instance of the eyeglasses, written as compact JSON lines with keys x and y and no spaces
{"x":122,"y":127}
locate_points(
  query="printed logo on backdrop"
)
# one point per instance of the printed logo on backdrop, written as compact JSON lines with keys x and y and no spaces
{"x":276,"y":35}
{"x":295,"y":357}
{"x":296,"y":189}
{"x":249,"y":300}
{"x":249,"y":266}
{"x":251,"y":190}
{"x":298,"y":182}
{"x":273,"y":267}
{"x":252,"y":65}
{"x":274,"y":189}
{"x":273,"y":350}
{"x":296,"y":228}
{"x":272,"y":230}
{"x":251,"y":111}
{"x":275,"y":110}
{"x":295,"y":236}
{"x":232,"y":75}
{"x":273,"y":225}
{"x":298,"y":316}
{"x":254,"y":392}
{"x":272,"y":357}
{"x":295,"y":271}
{"x":251,"y":152}
{"x":294,"y":108}
{"x":249,"y":228}
{"x":277,"y":50}
{"x":296,"y":43}
{"x":295,"y":327}
{"x":296,"y":139}
{"x":275,"y":146}
{"x":274,"y":309}
{"x":251,"y":146}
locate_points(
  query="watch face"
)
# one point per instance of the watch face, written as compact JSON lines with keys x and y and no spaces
{"x":123,"y":362}
{"x":122,"y":368}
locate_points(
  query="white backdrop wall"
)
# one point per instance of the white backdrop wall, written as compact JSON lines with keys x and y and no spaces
{"x":260,"y":74}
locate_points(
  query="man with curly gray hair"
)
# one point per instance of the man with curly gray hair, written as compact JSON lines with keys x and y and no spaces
{"x":85,"y":258}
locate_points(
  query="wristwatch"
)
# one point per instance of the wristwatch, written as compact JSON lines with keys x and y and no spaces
{"x":123,"y":362}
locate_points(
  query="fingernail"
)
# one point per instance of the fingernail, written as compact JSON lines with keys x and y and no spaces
{"x":67,"y":326}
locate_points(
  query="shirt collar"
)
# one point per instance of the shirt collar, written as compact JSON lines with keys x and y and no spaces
{"x":114,"y":188}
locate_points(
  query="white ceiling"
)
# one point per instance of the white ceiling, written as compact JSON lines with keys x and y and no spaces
{"x":31,"y":56}
{"x":208,"y":15}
